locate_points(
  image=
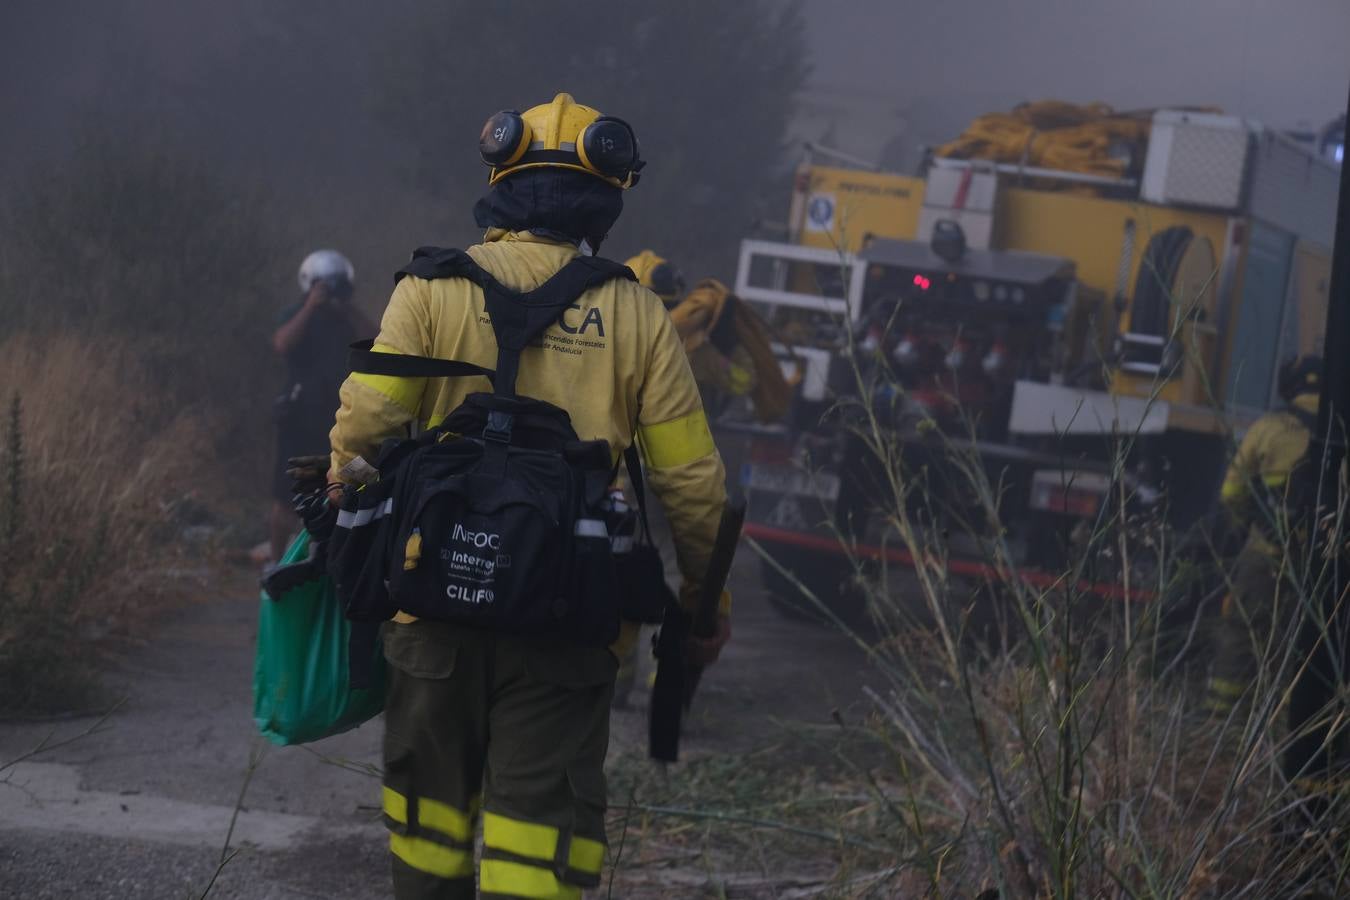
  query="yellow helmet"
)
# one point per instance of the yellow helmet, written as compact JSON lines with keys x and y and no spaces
{"x":657,"y":275}
{"x":561,"y":135}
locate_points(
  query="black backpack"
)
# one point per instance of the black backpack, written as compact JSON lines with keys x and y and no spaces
{"x":494,"y":518}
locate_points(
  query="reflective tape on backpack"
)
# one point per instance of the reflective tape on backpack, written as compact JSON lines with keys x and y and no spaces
{"x":356,"y":518}
{"x":592,"y":528}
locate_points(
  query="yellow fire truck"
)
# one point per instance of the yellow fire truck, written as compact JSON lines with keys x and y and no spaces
{"x":1057,"y":279}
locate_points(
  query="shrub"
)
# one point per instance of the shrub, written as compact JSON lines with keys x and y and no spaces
{"x":139,"y":293}
{"x":91,"y":501}
{"x":1069,"y":751}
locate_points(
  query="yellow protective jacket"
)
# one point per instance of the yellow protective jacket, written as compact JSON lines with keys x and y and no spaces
{"x":1269,"y":451}
{"x":613,"y":362}
{"x":698,"y":312}
{"x":750,"y":369}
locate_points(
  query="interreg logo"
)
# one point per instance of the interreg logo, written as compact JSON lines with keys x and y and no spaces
{"x":479,"y":539}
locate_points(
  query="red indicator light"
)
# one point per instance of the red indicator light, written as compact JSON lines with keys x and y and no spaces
{"x":922,"y":283}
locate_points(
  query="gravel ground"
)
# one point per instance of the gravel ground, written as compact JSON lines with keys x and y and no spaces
{"x":176,"y":751}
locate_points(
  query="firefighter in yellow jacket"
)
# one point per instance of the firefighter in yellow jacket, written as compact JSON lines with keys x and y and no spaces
{"x":483,"y":726}
{"x":1253,"y":493}
{"x":728,"y":344}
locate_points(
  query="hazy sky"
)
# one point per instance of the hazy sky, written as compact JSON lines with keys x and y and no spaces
{"x":281,"y":92}
{"x":1284,"y":62}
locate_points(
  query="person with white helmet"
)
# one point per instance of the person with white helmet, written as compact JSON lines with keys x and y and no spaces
{"x":312,"y":337}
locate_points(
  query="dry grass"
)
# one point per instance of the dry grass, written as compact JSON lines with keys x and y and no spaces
{"x":139,"y":290}
{"x":104,"y":470}
{"x":1076,"y":759}
{"x":1068,"y":753}
{"x":1074,"y":756}
{"x":764,"y":824}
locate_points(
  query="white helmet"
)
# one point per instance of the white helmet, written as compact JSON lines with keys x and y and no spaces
{"x":325,"y":265}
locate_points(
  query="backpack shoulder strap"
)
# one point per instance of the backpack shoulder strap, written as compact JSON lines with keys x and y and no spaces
{"x":361,"y":358}
{"x":633,"y":461}
{"x":432,"y":263}
{"x":606,"y":269}
{"x":517,"y":318}
{"x":520,"y":318}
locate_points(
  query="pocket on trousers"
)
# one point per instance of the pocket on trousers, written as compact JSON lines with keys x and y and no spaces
{"x":413,"y":649}
{"x":571,"y":666}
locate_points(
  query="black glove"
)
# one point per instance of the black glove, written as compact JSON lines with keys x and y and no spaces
{"x":308,"y":474}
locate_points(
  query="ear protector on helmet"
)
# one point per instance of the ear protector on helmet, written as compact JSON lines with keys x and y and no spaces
{"x":607,"y":147}
{"x":505,"y":138}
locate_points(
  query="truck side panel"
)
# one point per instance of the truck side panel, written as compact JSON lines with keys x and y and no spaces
{"x":842,"y":206}
{"x":1089,"y":230}
{"x":1092,"y":232}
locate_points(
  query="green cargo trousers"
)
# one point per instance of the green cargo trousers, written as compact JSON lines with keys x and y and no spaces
{"x":1243,"y":628}
{"x":515,"y":728}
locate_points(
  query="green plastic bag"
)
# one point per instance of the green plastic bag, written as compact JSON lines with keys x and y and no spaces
{"x":301,"y":691}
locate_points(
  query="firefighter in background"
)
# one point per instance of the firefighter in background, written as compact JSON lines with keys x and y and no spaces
{"x":311,"y":337}
{"x":727,"y":343}
{"x":729,"y":353}
{"x":658,"y":276}
{"x":1253,"y":492}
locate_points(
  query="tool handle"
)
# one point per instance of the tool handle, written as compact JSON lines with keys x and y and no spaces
{"x":719,"y":567}
{"x":666,"y":713}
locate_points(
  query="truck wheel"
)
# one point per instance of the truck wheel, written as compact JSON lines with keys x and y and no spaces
{"x":826,"y":576}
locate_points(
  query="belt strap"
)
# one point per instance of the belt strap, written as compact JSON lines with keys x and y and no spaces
{"x":633,"y":461}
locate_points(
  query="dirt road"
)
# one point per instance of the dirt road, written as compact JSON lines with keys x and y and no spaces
{"x":141,"y":807}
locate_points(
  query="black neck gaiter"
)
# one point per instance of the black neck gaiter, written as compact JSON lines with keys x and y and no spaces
{"x":554,"y":203}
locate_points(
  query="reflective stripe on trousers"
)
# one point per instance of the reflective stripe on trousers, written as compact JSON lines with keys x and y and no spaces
{"x":540,"y":775}
{"x":528,"y":859}
{"x":521,"y":859}
{"x":438,"y":840}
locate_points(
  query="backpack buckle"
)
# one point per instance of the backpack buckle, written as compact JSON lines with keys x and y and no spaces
{"x":499,"y":427}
